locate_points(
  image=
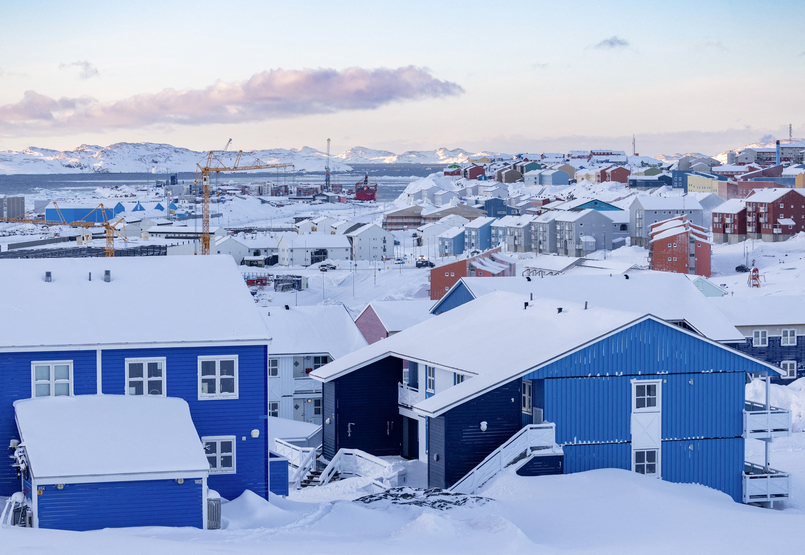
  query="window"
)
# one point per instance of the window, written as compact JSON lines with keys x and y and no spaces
{"x":447,"y":274}
{"x":220,"y":452}
{"x":645,"y":461}
{"x":431,"y":378}
{"x":218,"y":377}
{"x":674,"y":244}
{"x":646,"y":397}
{"x":320,"y":361}
{"x":669,"y":245}
{"x":145,"y":376}
{"x":760,"y":338}
{"x":273,"y":368}
{"x":458,"y":378}
{"x":526,"y":397}
{"x":452,"y":274}
{"x":316,"y":407}
{"x":51,"y":379}
{"x":789,"y":369}
{"x":274,"y":409}
{"x":789,"y":337}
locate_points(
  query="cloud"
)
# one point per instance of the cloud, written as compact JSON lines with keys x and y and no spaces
{"x":539,"y":66}
{"x":273,"y":94}
{"x":86,"y":69}
{"x":767,"y":138}
{"x":716,"y":44}
{"x":612,"y":43}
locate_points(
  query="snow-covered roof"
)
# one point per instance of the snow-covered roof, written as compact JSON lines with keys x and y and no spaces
{"x":530,"y":338}
{"x":786,"y":221}
{"x":617,"y":216}
{"x":666,"y":295}
{"x":488,"y":265}
{"x":668,"y":203}
{"x":72,"y":310}
{"x":400,"y":315}
{"x":178,"y":229}
{"x":315,"y":241}
{"x":451,"y":233}
{"x":551,"y":263}
{"x":772,"y":310}
{"x":671,"y":232}
{"x":770,"y":195}
{"x":102,"y":435}
{"x":568,"y":216}
{"x":732,"y":206}
{"x":311,"y":329}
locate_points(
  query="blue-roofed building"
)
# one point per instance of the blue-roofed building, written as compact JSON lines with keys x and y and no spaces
{"x":64,"y":212}
{"x":211,"y":354}
{"x":574,"y":386}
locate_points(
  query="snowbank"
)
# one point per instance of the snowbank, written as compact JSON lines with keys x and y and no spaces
{"x":790,"y":397}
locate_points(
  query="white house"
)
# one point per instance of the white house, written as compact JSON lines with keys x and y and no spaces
{"x":304,"y":250}
{"x":339,"y":227}
{"x":322,"y":224}
{"x":371,"y":242}
{"x":304,"y":227}
{"x":304,"y":338}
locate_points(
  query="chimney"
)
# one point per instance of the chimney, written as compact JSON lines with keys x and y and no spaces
{"x":585,"y":305}
{"x":559,"y":310}
{"x":107,"y":275}
{"x":90,"y":276}
{"x":48,"y":277}
{"x":778,"y":153}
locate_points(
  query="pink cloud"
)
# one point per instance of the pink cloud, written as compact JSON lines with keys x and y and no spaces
{"x":273,"y":94}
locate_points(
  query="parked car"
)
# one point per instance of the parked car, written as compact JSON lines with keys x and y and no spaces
{"x":742,"y":268}
{"x":399,"y":261}
{"x":325,"y":267}
{"x":424,"y":264}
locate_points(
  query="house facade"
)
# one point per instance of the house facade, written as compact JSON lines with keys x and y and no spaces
{"x":580,"y":233}
{"x":305,"y":250}
{"x":729,"y":222}
{"x":371,"y":242}
{"x":775,"y":214}
{"x":645,"y":211}
{"x":478,"y":234}
{"x":680,"y":247}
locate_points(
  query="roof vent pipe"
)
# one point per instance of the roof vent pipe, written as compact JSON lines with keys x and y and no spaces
{"x":90,"y":276}
{"x":107,"y":275}
{"x":48,"y":277}
{"x":585,"y":305}
{"x":559,"y":310}
{"x":532,"y":296}
{"x":626,"y":276}
{"x":525,"y":305}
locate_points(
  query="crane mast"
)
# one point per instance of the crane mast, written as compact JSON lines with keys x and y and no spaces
{"x":327,"y":169}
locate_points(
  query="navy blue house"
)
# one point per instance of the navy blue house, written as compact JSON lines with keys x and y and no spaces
{"x":619,"y":389}
{"x":181,"y":327}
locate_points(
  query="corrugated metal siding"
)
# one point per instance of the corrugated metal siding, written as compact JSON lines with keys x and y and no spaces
{"x":367,"y":398}
{"x":15,"y":383}
{"x":329,"y":442}
{"x":82,"y":507}
{"x":465,"y":445}
{"x":219,"y":417}
{"x":458,"y":296}
{"x":580,"y":458}
{"x":278,"y":474}
{"x":714,"y":463}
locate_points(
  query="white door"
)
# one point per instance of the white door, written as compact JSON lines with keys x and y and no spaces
{"x":646,"y":426}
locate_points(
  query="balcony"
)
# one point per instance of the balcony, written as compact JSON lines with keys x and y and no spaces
{"x":760,"y":423}
{"x":750,"y":229}
{"x":777,"y":230}
{"x":763,"y":209}
{"x":764,"y":486}
{"x":407,"y":396}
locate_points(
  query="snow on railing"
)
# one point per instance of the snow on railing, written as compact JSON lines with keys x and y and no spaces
{"x":303,"y":459}
{"x":354,"y":462}
{"x":760,"y":485}
{"x":519,"y":445}
{"x":762,"y":423}
{"x":407,"y":395}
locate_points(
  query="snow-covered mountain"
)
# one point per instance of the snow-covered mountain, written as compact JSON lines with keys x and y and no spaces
{"x":678,"y":155}
{"x":158,"y":158}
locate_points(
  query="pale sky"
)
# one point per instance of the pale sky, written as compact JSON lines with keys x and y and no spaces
{"x":511,"y":76}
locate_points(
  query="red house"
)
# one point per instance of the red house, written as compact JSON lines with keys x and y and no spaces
{"x":472,"y":172}
{"x":486,"y":264}
{"x":679,"y":246}
{"x":729,"y":222}
{"x":381,"y":319}
{"x":775,"y":214}
{"x":618,"y":174}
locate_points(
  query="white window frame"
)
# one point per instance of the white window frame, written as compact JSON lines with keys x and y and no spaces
{"x":760,"y":338}
{"x":273,"y":368}
{"x":657,"y":451}
{"x":274,"y":409}
{"x":658,"y":395}
{"x":144,"y":361}
{"x":318,"y":363}
{"x":317,"y":409}
{"x":789,"y":368}
{"x":52,"y":376}
{"x":458,"y":378}
{"x":217,"y":440}
{"x":430,"y":379}
{"x":406,"y":377}
{"x":788,"y":337}
{"x":218,"y":394}
{"x":526,"y":399}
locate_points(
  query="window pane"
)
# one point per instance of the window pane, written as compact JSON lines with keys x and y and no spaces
{"x":213,"y":462}
{"x":155,"y":387}
{"x":226,"y":447}
{"x":651,"y":402}
{"x":227,"y":385}
{"x":42,"y":373}
{"x":652,"y":390}
{"x":640,"y":469}
{"x":42,"y":390}
{"x":208,"y":386}
{"x":136,"y":388}
{"x":640,"y":402}
{"x":207,"y":367}
{"x":641,"y":390}
{"x":639,"y":457}
{"x":154,"y":369}
{"x":227,"y":367}
{"x":651,"y":469}
{"x":135,"y":370}
{"x":62,"y":371}
{"x":211,"y":447}
{"x":62,"y":389}
{"x":226,"y":461}
{"x":651,"y":456}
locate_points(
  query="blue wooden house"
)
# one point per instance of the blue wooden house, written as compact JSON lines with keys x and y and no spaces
{"x":451,"y":242}
{"x":620,"y":390}
{"x":182,"y":326}
{"x":88,"y":462}
{"x":478,"y":234}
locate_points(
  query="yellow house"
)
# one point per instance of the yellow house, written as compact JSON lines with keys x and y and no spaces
{"x":700,"y":184}
{"x":799,"y":181}
{"x":479,"y":159}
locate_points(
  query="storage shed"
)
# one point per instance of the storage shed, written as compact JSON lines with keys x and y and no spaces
{"x":108,"y":461}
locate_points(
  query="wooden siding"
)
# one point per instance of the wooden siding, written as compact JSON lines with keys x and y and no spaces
{"x":278,"y":474}
{"x":94,"y":506}
{"x":15,"y":371}
{"x":543,"y":466}
{"x":329,"y":438}
{"x":458,"y":296}
{"x":367,"y":399}
{"x":775,"y":353}
{"x":457,"y":438}
{"x":214,"y":417}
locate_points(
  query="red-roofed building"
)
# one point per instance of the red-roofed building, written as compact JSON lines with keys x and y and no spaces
{"x":680,"y":247}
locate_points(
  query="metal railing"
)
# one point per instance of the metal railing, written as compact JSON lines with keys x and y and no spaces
{"x":761,"y":485}
{"x":533,"y":436}
{"x":407,"y":396}
{"x":761,"y":423}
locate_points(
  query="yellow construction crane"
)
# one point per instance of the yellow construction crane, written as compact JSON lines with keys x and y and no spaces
{"x":110,"y":229}
{"x":213,"y":164}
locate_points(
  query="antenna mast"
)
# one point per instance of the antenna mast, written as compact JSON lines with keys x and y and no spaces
{"x":327,"y":169}
{"x":634,"y":147}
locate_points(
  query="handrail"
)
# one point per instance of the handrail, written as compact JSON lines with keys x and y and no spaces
{"x":357,"y":462}
{"x":293,"y":453}
{"x":304,"y":468}
{"x":533,"y":435}
{"x":407,"y":395}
